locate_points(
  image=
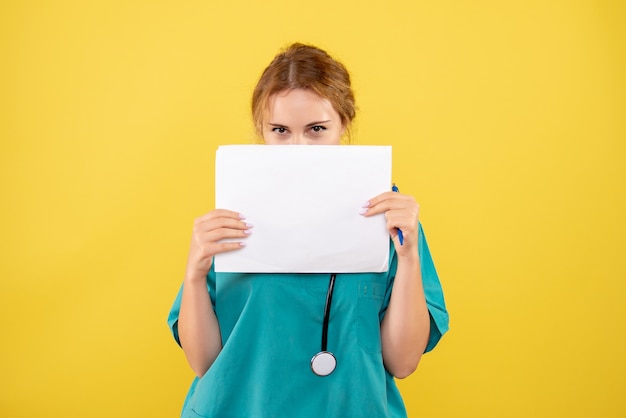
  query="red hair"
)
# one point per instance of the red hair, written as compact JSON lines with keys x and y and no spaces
{"x":305,"y":67}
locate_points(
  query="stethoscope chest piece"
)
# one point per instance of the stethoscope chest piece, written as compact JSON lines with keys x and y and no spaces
{"x":323,"y":363}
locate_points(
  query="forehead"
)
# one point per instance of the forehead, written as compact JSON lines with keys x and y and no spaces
{"x":299,"y":105}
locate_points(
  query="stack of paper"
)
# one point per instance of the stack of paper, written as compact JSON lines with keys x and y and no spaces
{"x":304,"y":203}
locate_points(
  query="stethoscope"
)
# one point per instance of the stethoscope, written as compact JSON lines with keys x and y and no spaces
{"x":324,"y":362}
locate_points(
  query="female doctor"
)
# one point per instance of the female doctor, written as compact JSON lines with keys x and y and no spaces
{"x":252,"y":339}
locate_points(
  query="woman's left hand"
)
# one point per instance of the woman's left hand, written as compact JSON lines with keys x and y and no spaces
{"x":405,"y":329}
{"x":402,"y":213}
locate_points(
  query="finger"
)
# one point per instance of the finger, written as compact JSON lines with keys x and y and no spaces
{"x":391,"y":203}
{"x":223,"y":233}
{"x":381,"y":197}
{"x":201,"y":259}
{"x":388,"y":200}
{"x":396,"y":221}
{"x":220,"y":213}
{"x":206,"y":246}
{"x":217,"y":223}
{"x":223,"y":247}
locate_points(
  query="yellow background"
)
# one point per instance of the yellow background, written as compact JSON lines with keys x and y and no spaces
{"x":508,"y":121}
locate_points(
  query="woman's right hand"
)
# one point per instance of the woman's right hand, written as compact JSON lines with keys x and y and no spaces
{"x":208,"y":230}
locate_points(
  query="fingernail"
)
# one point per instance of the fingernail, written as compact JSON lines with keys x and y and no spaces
{"x":366,"y":204}
{"x":362,"y":211}
{"x":242,"y":244}
{"x":247,"y":232}
{"x":242,"y":216}
{"x":249,"y":225}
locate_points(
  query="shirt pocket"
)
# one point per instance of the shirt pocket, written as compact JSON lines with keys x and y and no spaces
{"x":370,"y":300}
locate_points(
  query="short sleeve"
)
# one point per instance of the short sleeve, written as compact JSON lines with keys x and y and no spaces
{"x":439,"y":319}
{"x":172,"y":318}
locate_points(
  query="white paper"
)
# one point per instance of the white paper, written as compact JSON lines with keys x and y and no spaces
{"x":304,"y":203}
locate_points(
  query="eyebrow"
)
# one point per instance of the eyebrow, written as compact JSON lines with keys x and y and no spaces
{"x":307,"y":126}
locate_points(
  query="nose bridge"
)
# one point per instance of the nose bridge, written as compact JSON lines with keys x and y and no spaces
{"x":298,"y":138}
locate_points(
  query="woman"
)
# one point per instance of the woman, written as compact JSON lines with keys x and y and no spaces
{"x":250,"y":337}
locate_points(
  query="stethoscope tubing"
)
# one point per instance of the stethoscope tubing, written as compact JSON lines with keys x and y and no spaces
{"x":329,"y":301}
{"x":324,"y":362}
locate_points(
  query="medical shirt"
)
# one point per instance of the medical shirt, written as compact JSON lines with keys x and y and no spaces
{"x":271,"y":327}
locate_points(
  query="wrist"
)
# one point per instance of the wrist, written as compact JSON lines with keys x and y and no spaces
{"x":197,"y":271}
{"x":195,"y":278}
{"x":409,"y":258}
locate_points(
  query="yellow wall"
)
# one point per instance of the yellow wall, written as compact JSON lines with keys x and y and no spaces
{"x":508,"y":121}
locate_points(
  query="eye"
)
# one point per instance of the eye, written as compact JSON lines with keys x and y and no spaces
{"x":279,"y":130}
{"x":318,"y":129}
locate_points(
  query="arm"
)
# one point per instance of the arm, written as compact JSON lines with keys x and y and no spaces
{"x":198,"y":328}
{"x":406,"y":326}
